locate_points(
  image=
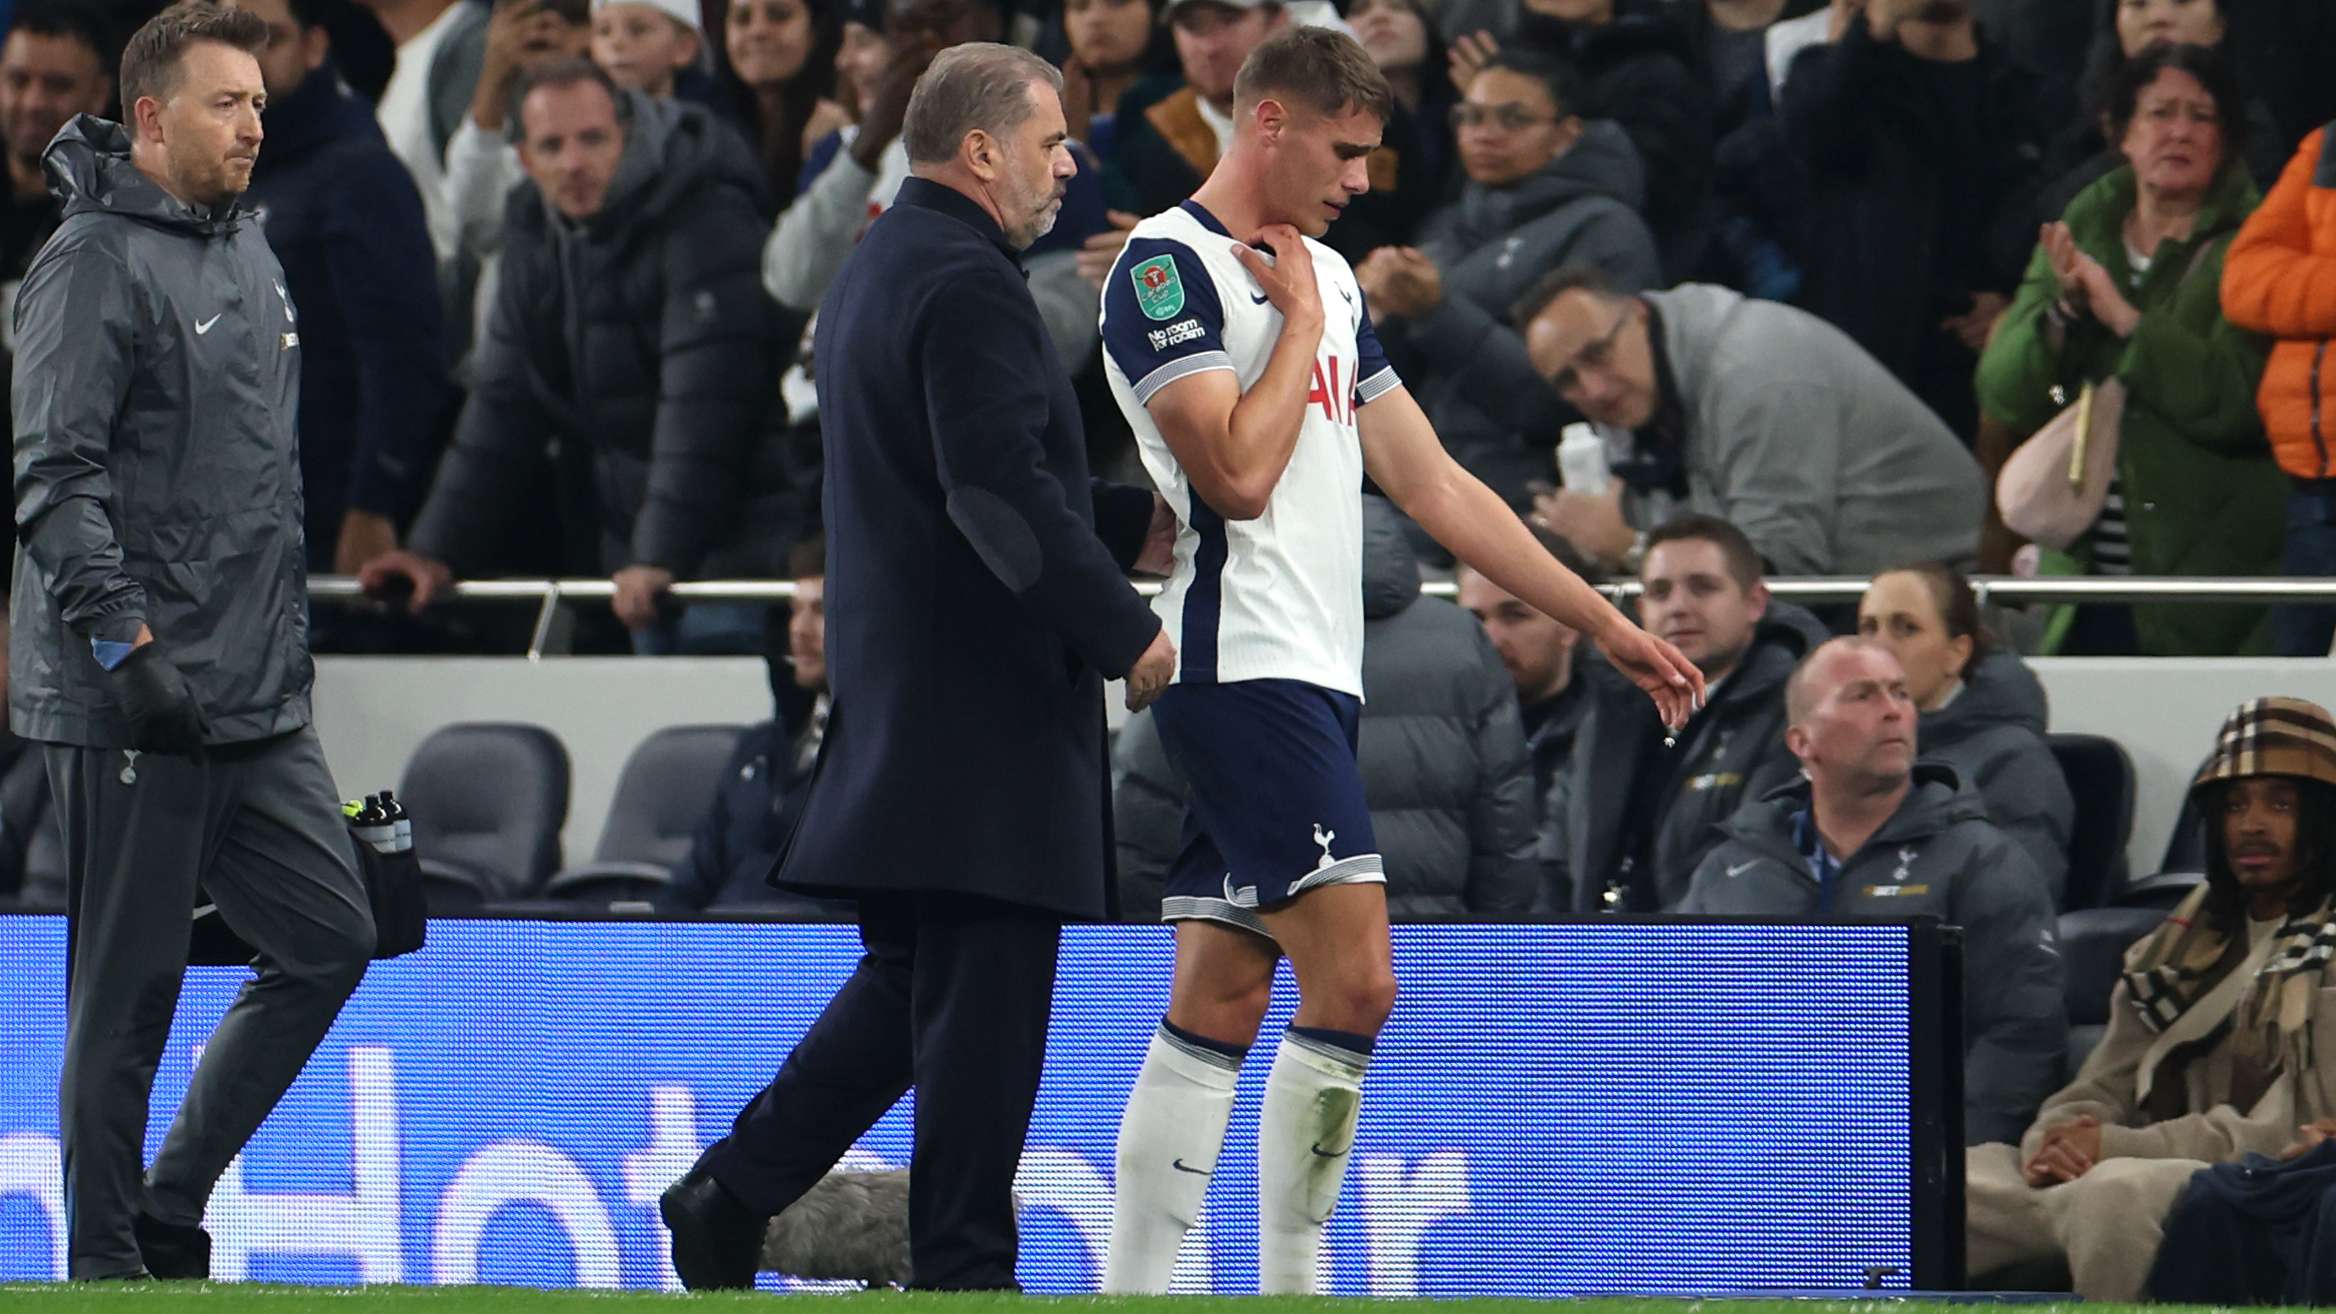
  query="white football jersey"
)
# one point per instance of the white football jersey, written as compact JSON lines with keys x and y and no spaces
{"x":1281,"y":596}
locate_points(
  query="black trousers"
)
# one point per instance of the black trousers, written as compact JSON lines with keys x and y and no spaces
{"x":951,"y":998}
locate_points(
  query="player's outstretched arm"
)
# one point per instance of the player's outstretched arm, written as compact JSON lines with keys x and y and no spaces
{"x":1232,"y":445}
{"x":1407,"y":462}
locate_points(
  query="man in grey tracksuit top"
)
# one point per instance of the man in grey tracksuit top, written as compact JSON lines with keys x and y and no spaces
{"x":159,"y":649}
{"x":1869,"y":833}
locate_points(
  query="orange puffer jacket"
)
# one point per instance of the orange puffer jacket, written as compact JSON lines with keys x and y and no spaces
{"x":2280,"y":279}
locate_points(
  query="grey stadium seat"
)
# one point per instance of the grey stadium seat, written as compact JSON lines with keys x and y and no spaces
{"x":488,"y":800}
{"x":2093,"y":942}
{"x":662,"y":794}
{"x":2100,"y":776}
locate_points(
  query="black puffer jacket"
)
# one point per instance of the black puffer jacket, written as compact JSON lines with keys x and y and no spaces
{"x":1443,"y":758}
{"x":642,"y":339}
{"x":156,"y":390}
{"x":1730,"y":754}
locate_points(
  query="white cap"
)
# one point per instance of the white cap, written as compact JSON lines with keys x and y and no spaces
{"x":684,"y":12}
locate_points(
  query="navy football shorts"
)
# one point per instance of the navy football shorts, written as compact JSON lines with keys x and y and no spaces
{"x":1277,"y":798}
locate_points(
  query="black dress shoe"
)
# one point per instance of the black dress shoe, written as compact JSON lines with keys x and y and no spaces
{"x":173,"y":1252}
{"x":716,"y":1238}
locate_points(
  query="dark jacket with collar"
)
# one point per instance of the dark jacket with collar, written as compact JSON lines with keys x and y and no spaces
{"x":1937,"y":857}
{"x":157,"y":457}
{"x":345,"y":220}
{"x":757,"y":803}
{"x":974,"y":609}
{"x":641,"y":339}
{"x":1474,"y":380}
{"x":1441,"y":753}
{"x":1992,"y":734}
{"x":1731,"y":753}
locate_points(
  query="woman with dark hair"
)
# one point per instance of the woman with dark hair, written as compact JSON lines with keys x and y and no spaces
{"x":1982,"y":710}
{"x":1403,"y":42}
{"x":2218,"y":1034}
{"x":778,"y":81}
{"x":2084,"y":151}
{"x":2128,"y":287}
{"x":1113,"y":45}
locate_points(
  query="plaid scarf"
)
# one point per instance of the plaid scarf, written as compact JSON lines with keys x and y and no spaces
{"x":2179,"y":963}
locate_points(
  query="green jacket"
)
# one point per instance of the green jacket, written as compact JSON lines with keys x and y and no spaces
{"x":2202,"y":495}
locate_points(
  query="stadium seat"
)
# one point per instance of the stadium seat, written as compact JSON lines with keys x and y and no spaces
{"x":488,"y":800}
{"x":661,"y":796}
{"x":2100,"y":777}
{"x":2093,"y":942}
{"x":2179,"y":872}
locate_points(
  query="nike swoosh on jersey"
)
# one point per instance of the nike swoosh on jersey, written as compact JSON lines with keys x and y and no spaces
{"x":203,"y":326}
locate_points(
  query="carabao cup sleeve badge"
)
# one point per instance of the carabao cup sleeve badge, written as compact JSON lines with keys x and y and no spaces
{"x":1158,"y":289}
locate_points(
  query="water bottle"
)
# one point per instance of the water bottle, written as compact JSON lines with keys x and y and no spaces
{"x":370,"y":823}
{"x":1581,"y":459}
{"x":401,"y":825}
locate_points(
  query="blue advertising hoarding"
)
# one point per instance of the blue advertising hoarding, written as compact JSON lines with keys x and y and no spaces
{"x":1647,"y":1107}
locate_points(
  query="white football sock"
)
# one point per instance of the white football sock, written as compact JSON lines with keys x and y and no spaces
{"x":1168,"y":1142}
{"x":1304,"y":1135}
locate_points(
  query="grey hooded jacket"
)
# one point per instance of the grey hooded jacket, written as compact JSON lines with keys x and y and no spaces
{"x":1800,"y":439}
{"x":1489,"y":246}
{"x":1442,"y":754}
{"x":1937,"y":857}
{"x":156,"y":391}
{"x":1992,"y":734}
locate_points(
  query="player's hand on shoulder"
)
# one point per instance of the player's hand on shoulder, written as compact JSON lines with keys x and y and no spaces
{"x":1661,"y":671}
{"x":1288,"y":279}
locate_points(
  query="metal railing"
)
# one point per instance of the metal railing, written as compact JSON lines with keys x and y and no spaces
{"x":550,"y":595}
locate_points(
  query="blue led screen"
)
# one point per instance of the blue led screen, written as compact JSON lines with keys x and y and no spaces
{"x":1555,"y":1109}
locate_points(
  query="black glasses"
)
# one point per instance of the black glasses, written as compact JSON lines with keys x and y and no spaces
{"x":1595,"y":357}
{"x":1509,"y":118}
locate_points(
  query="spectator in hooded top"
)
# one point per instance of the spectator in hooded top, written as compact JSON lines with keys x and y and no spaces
{"x":778,"y":73}
{"x":2129,"y":286}
{"x":1868,"y":831}
{"x":1759,"y":414}
{"x":2279,"y":279}
{"x":1546,"y":189}
{"x":1918,"y":141}
{"x":1556,"y":686}
{"x":1639,"y":67}
{"x":347,"y":225}
{"x":1640,"y":812}
{"x":56,"y":62}
{"x":1982,"y":711}
{"x":1443,"y":761}
{"x":629,"y":325}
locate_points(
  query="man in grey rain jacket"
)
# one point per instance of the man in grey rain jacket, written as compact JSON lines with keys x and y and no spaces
{"x":1871,"y":834}
{"x":160,"y":649}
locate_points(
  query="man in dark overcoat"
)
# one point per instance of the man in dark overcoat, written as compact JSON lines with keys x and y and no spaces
{"x":980,"y":600}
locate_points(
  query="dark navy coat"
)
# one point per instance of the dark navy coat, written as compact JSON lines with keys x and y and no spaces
{"x":973,"y":611}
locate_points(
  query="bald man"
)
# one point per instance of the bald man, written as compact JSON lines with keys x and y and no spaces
{"x":1868,"y":831}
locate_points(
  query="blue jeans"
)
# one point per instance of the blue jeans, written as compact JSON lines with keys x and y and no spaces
{"x":713,"y":629}
{"x":2306,"y":631}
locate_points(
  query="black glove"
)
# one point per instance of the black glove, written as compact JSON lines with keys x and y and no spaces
{"x":164,"y":717}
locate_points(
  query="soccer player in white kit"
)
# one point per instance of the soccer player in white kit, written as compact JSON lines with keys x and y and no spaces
{"x":1242,"y":354}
